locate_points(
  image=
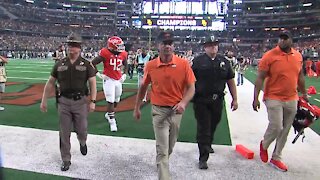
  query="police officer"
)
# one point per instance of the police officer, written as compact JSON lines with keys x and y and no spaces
{"x":212,"y":72}
{"x":72,"y":73}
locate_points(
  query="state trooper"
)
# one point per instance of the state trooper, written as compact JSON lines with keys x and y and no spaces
{"x":212,"y":72}
{"x":72,"y":73}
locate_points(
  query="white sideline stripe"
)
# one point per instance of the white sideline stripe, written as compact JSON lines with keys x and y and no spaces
{"x":317,"y":99}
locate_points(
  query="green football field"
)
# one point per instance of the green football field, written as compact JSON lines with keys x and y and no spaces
{"x":26,"y":79}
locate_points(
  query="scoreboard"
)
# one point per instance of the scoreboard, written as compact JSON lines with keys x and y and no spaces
{"x":177,"y":21}
{"x":173,"y":20}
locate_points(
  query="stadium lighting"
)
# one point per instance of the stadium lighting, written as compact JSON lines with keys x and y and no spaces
{"x":307,"y":5}
{"x":103,"y":8}
{"x":29,"y":1}
{"x":268,"y":8}
{"x":66,"y":5}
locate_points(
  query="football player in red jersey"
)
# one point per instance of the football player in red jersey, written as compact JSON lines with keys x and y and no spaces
{"x":114,"y":57}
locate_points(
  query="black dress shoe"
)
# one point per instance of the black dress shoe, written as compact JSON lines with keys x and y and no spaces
{"x":211,"y":150}
{"x":65,"y":165}
{"x":83,"y":149}
{"x":203,"y":165}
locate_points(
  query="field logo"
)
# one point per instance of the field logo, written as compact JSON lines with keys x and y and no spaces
{"x":32,"y":95}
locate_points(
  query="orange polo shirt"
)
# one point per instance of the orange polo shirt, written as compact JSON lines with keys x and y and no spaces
{"x":282,"y":74}
{"x":168,"y":80}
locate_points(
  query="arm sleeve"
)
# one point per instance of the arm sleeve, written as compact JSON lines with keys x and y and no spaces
{"x":54,"y":72}
{"x":194,"y":65}
{"x":190,"y":78}
{"x":97,"y":60}
{"x":146,"y":75}
{"x":230,"y":71}
{"x":91,"y":70}
{"x":264,"y":63}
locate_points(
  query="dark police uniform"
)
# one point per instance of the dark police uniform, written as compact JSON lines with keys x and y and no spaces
{"x":72,"y":106}
{"x":211,"y":76}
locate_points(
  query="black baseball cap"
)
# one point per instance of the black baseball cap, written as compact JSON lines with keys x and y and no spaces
{"x":285,"y":33}
{"x":165,"y":36}
{"x":210,"y":39}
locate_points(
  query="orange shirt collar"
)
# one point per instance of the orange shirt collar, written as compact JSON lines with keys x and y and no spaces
{"x":173,"y":61}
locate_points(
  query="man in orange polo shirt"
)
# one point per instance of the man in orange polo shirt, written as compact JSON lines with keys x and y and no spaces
{"x":172,"y":87}
{"x":281,"y":69}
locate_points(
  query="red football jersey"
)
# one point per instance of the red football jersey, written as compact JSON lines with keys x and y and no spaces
{"x":112,"y":64}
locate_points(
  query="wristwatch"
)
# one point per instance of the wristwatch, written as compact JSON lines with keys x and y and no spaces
{"x":94,"y":101}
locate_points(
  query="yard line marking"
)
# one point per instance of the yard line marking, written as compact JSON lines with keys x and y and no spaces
{"x":45,"y":79}
{"x":42,"y":79}
{"x":43,"y":72}
{"x":9,"y":68}
{"x":34,"y":64}
{"x":317,"y":100}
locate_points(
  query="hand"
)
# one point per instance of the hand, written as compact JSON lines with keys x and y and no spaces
{"x":92,"y":107}
{"x":256,"y":105}
{"x":43,"y":106}
{"x":123,"y":78}
{"x":305,"y":97}
{"x":234,"y":105}
{"x":137,"y":114}
{"x":179,"y":108}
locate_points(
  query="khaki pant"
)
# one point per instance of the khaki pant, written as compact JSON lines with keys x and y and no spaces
{"x":281,"y":116}
{"x":166,"y":126}
{"x":72,"y":115}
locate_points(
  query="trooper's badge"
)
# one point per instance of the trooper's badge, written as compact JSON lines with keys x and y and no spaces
{"x":222,"y":64}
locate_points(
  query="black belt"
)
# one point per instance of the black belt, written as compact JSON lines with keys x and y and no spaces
{"x":208,"y":98}
{"x":75,"y":96}
{"x":164,"y":106}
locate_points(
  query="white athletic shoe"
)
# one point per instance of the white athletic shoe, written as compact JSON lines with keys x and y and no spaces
{"x":112,"y":122}
{"x":113,"y":125}
{"x":1,"y":108}
{"x":106,"y":116}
